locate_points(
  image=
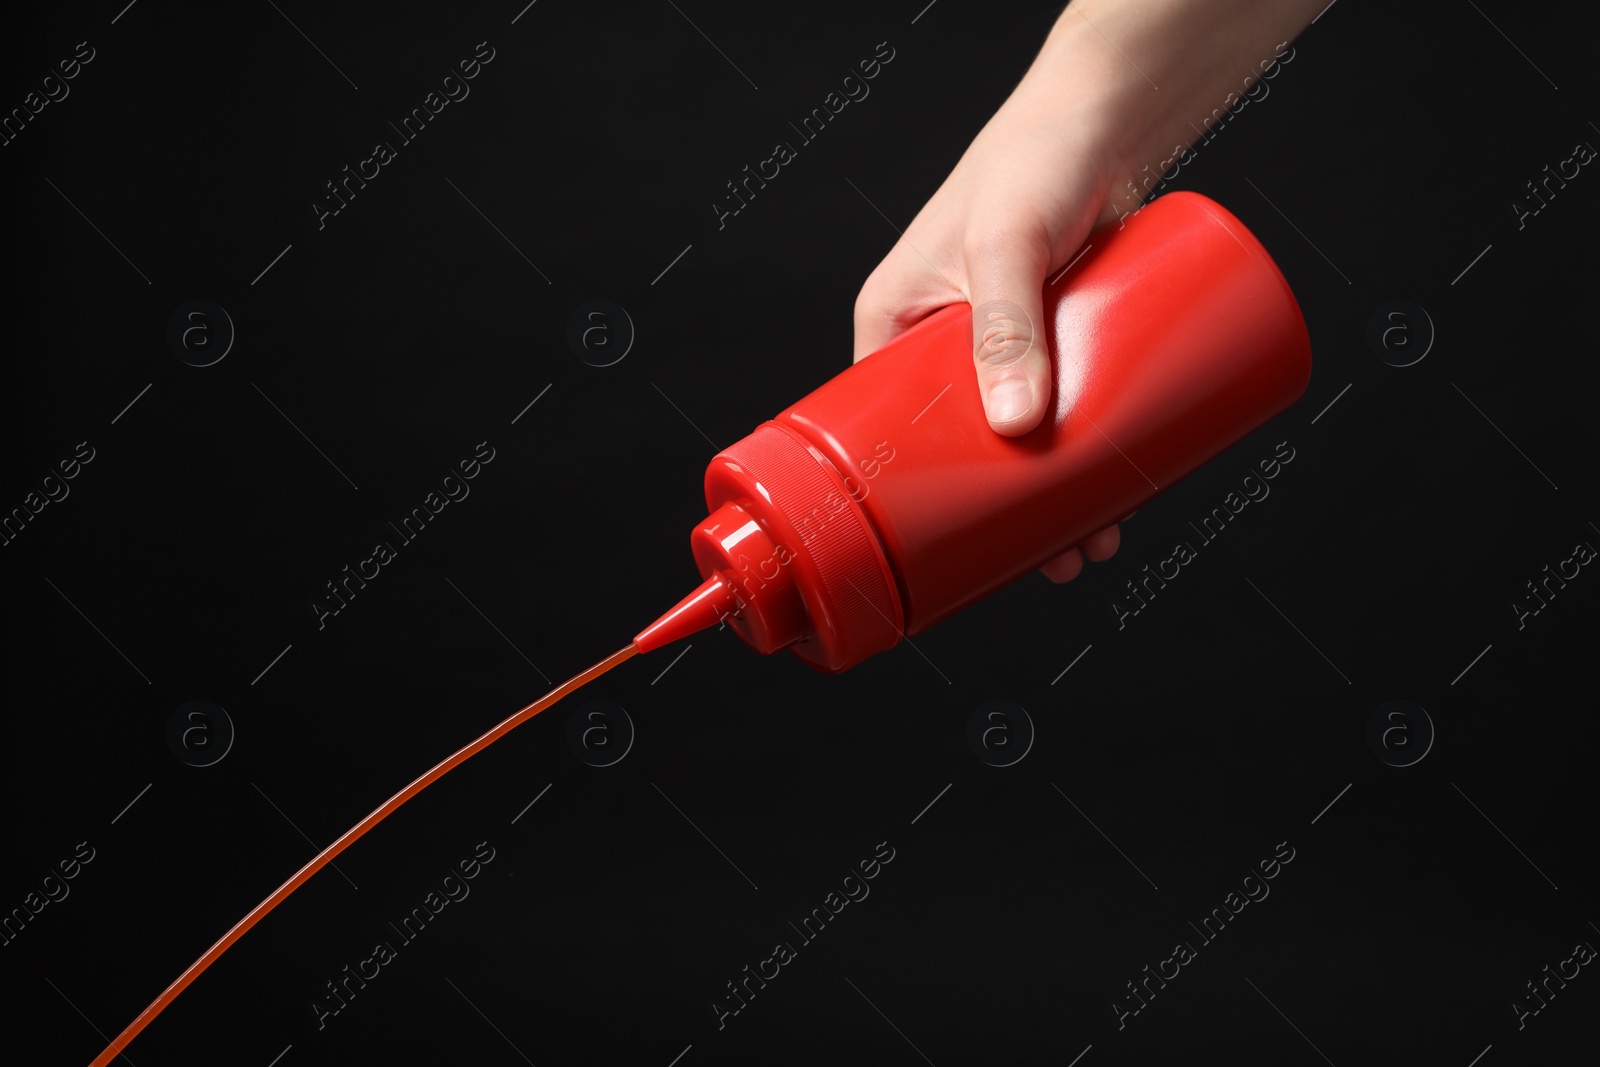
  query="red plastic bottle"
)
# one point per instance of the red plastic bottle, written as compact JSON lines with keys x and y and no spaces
{"x":883,"y":502}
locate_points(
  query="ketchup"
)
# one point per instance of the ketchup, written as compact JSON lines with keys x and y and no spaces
{"x":883,"y":502}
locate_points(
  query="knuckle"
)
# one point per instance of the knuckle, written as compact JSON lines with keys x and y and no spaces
{"x":868,"y":311}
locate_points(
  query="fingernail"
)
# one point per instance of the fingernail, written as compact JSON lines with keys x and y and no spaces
{"x":1009,"y":401}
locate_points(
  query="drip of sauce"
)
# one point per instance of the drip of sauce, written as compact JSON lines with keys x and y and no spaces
{"x":350,"y":836}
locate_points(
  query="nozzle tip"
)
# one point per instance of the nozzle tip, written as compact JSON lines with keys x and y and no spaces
{"x":708,"y":605}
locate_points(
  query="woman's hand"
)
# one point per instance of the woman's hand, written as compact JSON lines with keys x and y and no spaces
{"x":1060,"y":157}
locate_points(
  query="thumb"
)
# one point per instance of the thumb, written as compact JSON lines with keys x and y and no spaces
{"x":1008,"y":340}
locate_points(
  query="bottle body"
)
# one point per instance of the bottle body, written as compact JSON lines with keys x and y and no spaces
{"x":883,"y":501}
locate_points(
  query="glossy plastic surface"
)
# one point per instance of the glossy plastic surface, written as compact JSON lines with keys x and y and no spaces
{"x":1170,"y":339}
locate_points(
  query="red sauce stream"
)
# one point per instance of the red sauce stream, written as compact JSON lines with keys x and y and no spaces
{"x":327,"y":855}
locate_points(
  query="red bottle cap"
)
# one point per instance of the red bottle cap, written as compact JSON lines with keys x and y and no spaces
{"x":788,"y":557}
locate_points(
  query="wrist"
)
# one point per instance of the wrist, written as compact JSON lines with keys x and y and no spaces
{"x":1096,"y":99}
{"x":1141,"y":79}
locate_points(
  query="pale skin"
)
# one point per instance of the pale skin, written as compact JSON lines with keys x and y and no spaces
{"x":1114,"y":89}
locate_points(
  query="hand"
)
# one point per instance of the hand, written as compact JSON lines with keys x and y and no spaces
{"x":1015,"y":209}
{"x":1060,"y":157}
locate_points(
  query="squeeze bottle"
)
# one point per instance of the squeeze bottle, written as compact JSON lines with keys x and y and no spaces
{"x":882,"y":502}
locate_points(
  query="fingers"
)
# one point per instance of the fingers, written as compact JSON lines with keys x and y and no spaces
{"x":1099,"y":547}
{"x":1064,"y":567}
{"x":1102,"y":545}
{"x":1008,"y":341}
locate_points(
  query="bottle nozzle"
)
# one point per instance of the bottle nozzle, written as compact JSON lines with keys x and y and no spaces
{"x":705,"y":607}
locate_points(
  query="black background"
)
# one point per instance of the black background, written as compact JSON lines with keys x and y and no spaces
{"x":408,"y":329}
